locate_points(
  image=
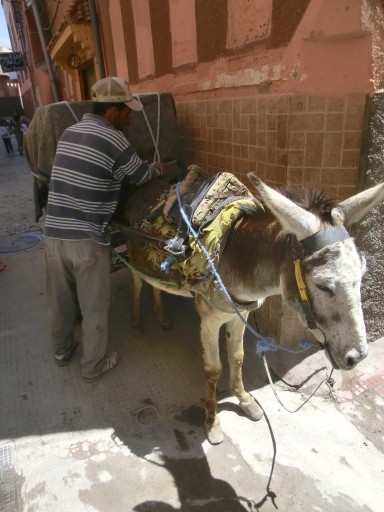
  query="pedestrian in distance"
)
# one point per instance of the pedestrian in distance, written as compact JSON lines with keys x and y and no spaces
{"x":6,"y":136}
{"x":23,"y":127}
{"x":16,"y":122}
{"x":93,"y":159}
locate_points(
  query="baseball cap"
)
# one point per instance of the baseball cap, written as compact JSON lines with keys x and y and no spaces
{"x":114,"y":90}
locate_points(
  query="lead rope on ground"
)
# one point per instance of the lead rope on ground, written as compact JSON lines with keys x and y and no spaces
{"x":263,"y":344}
{"x":326,"y":379}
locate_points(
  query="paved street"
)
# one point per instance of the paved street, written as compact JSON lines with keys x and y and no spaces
{"x":134,"y":441}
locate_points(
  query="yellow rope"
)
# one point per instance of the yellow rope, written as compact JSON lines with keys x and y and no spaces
{"x":300,"y":281}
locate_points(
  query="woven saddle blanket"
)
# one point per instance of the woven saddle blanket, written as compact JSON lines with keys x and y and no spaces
{"x":211,"y":205}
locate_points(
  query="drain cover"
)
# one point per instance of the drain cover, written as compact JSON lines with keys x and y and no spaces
{"x":7,"y":480}
{"x":146,"y":415}
{"x":16,"y":243}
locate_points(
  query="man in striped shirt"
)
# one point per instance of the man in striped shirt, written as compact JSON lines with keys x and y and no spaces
{"x":93,"y":158}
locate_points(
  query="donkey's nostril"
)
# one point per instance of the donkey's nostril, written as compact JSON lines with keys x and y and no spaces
{"x":351,"y":358}
{"x":351,"y":362}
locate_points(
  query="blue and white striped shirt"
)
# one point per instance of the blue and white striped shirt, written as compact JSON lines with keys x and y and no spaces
{"x":92,"y":160}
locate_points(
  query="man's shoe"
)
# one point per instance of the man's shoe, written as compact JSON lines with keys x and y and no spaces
{"x":110,"y":362}
{"x":63,"y":359}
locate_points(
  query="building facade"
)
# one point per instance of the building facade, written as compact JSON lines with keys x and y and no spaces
{"x":274,"y":87}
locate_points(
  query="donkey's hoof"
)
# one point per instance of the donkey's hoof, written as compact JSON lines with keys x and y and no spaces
{"x":252,"y":410}
{"x":214,"y":434}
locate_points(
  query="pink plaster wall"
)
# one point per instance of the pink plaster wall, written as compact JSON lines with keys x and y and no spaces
{"x":200,"y":49}
{"x":142,"y":21}
{"x":331,"y":51}
{"x":117,"y":34}
{"x":183,"y":32}
{"x":248,"y":22}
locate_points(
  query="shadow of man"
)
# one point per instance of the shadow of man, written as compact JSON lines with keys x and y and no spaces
{"x":179,"y":451}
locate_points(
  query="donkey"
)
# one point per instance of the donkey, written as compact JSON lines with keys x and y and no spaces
{"x":322,"y":286}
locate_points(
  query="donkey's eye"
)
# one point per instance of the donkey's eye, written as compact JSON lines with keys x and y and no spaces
{"x":325,"y":289}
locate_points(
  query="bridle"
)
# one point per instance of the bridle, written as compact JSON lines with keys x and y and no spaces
{"x":302,"y":248}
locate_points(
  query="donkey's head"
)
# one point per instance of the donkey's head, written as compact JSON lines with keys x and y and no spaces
{"x":328,"y":268}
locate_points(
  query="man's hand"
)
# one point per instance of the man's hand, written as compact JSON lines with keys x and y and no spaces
{"x":162,"y":166}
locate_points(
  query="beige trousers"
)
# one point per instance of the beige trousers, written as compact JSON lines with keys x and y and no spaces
{"x":78,"y":274}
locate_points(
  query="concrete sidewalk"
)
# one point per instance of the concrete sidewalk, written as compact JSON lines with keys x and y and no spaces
{"x":134,"y":440}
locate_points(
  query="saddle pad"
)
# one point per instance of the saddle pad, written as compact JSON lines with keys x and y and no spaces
{"x":194,"y":266}
{"x":224,"y":188}
{"x":216,"y":203}
{"x":201,"y":195}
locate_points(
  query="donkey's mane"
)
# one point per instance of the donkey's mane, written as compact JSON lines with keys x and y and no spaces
{"x":250,"y":209}
{"x":314,"y":201}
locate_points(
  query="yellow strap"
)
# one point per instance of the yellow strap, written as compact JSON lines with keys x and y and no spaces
{"x":300,"y":281}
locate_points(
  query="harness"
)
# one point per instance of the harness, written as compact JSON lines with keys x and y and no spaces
{"x":203,"y":198}
{"x":306,"y":247}
{"x":211,"y":205}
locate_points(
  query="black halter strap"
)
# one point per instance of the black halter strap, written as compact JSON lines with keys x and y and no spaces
{"x":323,"y":238}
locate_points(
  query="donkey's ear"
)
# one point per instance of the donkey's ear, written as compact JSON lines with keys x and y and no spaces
{"x":292,"y":217}
{"x":355,"y":208}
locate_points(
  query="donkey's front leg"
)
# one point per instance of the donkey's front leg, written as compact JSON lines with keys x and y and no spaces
{"x":211,"y":321}
{"x":137,"y":285}
{"x":234,"y":336}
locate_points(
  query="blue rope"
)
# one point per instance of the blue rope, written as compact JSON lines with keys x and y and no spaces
{"x":263,"y":344}
{"x":166,"y":264}
{"x":269,"y":345}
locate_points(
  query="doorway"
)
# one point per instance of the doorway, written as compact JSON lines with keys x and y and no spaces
{"x":87,"y":79}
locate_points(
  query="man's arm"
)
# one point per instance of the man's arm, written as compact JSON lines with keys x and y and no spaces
{"x":130,"y":169}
